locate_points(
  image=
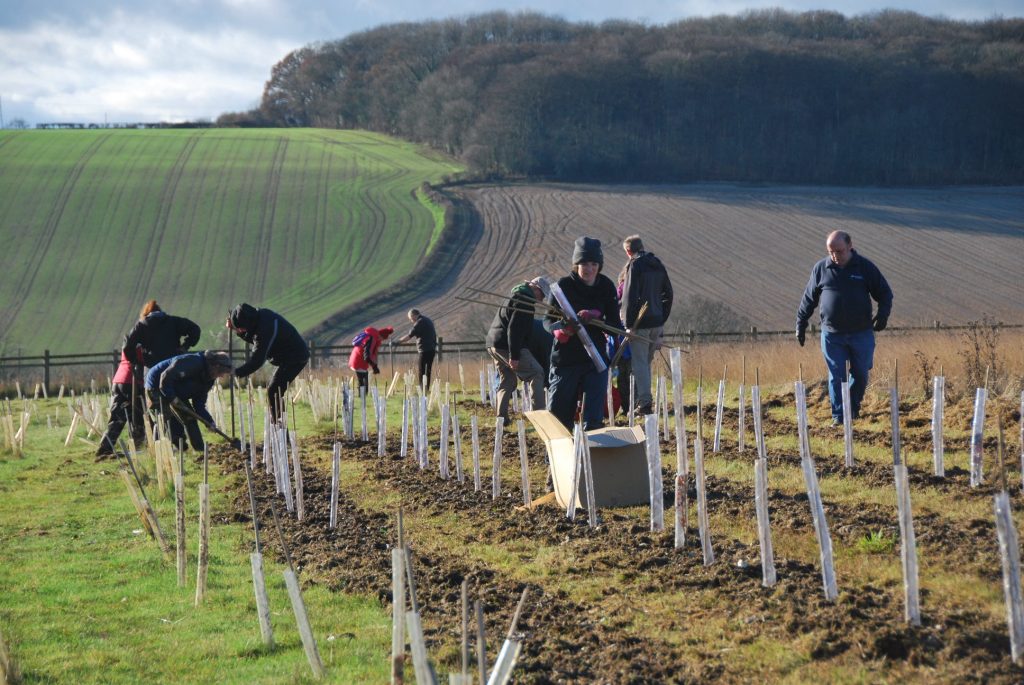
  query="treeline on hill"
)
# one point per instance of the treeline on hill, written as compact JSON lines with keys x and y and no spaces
{"x":885,"y":98}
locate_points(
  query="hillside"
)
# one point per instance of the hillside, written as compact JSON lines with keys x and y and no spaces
{"x":93,"y":223}
{"x":951,"y":255}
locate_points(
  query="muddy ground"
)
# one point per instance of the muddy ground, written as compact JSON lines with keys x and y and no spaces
{"x":599,"y":640}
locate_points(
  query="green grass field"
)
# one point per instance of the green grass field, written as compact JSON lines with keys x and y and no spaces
{"x":302,"y":221}
{"x":86,"y":597}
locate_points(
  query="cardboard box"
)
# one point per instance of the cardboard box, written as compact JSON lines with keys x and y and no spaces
{"x":618,"y":456}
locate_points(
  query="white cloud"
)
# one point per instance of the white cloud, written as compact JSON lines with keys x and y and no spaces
{"x":122,"y":70}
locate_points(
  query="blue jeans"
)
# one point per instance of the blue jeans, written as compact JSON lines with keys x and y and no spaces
{"x":566,"y":383}
{"x":859,"y":350}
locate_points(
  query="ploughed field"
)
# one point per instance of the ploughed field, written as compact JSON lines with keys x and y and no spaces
{"x":618,"y":604}
{"x":950,"y":254}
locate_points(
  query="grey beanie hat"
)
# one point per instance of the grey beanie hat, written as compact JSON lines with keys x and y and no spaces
{"x":587,"y":250}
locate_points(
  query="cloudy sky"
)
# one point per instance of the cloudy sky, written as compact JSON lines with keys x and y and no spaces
{"x":171,"y":60}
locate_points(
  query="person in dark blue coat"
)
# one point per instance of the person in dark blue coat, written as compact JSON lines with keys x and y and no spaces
{"x":180,"y":385}
{"x":844,"y":284}
{"x":275,"y":341}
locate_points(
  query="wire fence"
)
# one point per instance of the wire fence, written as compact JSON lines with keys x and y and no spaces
{"x":29,"y":371}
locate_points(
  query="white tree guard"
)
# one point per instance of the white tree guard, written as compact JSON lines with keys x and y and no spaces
{"x":894,"y":419}
{"x":654,"y":473}
{"x":499,"y":424}
{"x":977,"y":436}
{"x":938,"y":418}
{"x":523,"y":462}
{"x":443,"y":445}
{"x":577,"y":452}
{"x":475,"y":439}
{"x":1009,"y":551}
{"x":741,"y":425}
{"x":764,"y":529}
{"x":719,"y":408}
{"x":908,"y":548}
{"x":703,"y":521}
{"x":847,"y":425}
{"x":335,"y":483}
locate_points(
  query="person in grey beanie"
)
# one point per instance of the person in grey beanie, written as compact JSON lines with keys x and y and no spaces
{"x":592,"y":295}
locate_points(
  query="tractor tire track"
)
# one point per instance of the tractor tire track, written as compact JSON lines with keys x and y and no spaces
{"x":164,"y":207}
{"x":45,"y":237}
{"x":267,"y":213}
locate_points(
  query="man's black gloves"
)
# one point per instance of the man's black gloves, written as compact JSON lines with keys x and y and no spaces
{"x":879,"y":323}
{"x":801,"y":335}
{"x":376,"y":369}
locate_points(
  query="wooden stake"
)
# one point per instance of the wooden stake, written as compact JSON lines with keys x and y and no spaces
{"x":179,"y":511}
{"x":465,"y":630}
{"x":397,"y":615}
{"x":204,"y":542}
{"x":481,"y":644}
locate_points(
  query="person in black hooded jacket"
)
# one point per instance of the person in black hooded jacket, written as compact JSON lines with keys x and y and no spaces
{"x":593,"y":296}
{"x":159,"y":335}
{"x":275,"y":341}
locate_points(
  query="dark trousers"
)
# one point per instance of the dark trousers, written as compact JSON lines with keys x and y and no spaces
{"x":363,"y":379}
{"x":177,"y":427}
{"x":426,"y":365}
{"x":566,"y":384}
{"x":284,"y":375}
{"x":122,"y":412}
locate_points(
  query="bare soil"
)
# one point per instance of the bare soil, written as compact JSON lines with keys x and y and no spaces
{"x":625,"y":633}
{"x":729,"y":242}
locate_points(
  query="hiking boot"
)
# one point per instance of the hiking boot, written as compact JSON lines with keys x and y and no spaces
{"x":643,"y":409}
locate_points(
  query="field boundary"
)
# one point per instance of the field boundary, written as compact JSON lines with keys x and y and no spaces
{"x":25,"y":369}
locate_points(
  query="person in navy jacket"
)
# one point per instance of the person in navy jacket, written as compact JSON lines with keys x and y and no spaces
{"x":843,"y":285}
{"x":179,"y":387}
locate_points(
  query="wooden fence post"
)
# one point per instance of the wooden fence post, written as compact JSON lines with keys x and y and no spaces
{"x":46,"y":370}
{"x":440,"y":349}
{"x":753,"y":332}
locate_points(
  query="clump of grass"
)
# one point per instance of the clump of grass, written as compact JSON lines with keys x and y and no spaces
{"x":8,"y":668}
{"x":876,"y":542}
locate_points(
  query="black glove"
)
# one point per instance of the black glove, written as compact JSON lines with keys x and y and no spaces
{"x":375,"y":368}
{"x":879,"y":323}
{"x":179,"y":405}
{"x":801,"y":335}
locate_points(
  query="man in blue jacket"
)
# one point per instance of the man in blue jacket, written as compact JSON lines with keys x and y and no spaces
{"x":844,"y":283}
{"x":179,"y":386}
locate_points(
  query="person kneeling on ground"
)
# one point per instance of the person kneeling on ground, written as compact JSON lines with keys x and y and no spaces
{"x":179,"y":387}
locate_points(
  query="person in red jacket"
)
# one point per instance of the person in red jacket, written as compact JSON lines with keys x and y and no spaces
{"x":364,"y":352}
{"x":126,"y":406}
